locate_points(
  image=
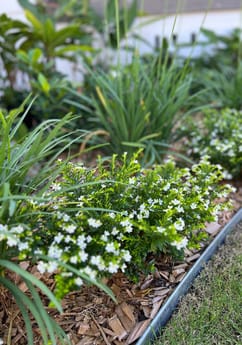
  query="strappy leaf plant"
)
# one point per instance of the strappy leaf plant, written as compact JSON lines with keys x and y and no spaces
{"x":138,"y":107}
{"x":26,"y":169}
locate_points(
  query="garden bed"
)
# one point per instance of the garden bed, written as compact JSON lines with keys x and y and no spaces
{"x":91,"y":317}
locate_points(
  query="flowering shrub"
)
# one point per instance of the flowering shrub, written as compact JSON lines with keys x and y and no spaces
{"x":219,"y":136}
{"x":116,"y":216}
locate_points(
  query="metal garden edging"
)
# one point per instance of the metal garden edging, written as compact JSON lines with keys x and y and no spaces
{"x":167,"y":309}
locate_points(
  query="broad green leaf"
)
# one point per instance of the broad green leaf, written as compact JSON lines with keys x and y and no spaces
{"x":44,"y":83}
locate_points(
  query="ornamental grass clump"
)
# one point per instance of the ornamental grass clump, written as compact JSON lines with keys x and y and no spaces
{"x":118,"y":216}
{"x":26,"y":168}
{"x":218,"y":135}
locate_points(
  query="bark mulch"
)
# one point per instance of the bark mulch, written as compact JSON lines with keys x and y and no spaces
{"x":90,"y":317}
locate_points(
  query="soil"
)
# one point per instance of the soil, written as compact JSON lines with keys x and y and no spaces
{"x":91,"y":317}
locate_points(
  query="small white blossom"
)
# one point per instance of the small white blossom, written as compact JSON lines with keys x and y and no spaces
{"x":166,"y":187}
{"x":110,"y":248}
{"x":12,"y":241}
{"x":180,"y":244}
{"x":51,"y":266}
{"x":114,"y":231}
{"x":113,"y":268}
{"x":41,"y":267}
{"x":126,"y":256}
{"x":193,"y":205}
{"x":78,"y":281}
{"x":74,"y":259}
{"x":83,"y":256}
{"x":66,"y":218}
{"x":132,"y":180}
{"x":95,"y":223}
{"x":180,"y":209}
{"x":179,"y":224}
{"x":17,"y":229}
{"x":125,"y":223}
{"x":58,"y":238}
{"x":105,"y":236}
{"x":70,"y":229}
{"x":81,"y":242}
{"x":129,"y":228}
{"x":160,"y":229}
{"x":112,"y":215}
{"x":55,"y":252}
{"x":23,"y":246}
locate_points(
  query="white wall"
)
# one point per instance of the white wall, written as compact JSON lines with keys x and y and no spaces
{"x":183,"y":26}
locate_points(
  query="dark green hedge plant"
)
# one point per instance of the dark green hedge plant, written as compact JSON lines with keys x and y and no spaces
{"x":117,"y":217}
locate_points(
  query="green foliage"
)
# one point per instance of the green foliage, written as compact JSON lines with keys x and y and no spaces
{"x":29,"y":50}
{"x":82,"y":222}
{"x":25,"y":171}
{"x":222,"y":87}
{"x":138,"y":106}
{"x":218,"y":135}
{"x":225,"y":49}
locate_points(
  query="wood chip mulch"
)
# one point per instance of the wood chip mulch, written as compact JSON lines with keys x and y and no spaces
{"x":90,"y":317}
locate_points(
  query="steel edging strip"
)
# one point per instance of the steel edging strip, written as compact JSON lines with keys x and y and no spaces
{"x":167,"y":309}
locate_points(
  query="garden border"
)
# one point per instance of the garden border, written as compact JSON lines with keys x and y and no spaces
{"x":168,"y":308}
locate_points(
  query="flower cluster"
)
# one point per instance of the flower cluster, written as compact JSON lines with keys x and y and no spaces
{"x":118,"y":215}
{"x":219,"y":136}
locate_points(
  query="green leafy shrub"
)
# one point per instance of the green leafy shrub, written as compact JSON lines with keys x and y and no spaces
{"x":218,"y":135}
{"x":117,"y":216}
{"x":26,"y":168}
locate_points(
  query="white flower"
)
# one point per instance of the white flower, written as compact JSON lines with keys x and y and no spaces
{"x":23,"y":245}
{"x":55,"y":252}
{"x":193,"y":206}
{"x":58,"y":238}
{"x":175,"y":202}
{"x":70,"y":228}
{"x":180,"y":244}
{"x":55,"y":186}
{"x":125,"y":223}
{"x":142,"y":208}
{"x":17,"y":229}
{"x":98,"y":261}
{"x":114,"y":231}
{"x":83,"y":256}
{"x":12,"y":241}
{"x":112,"y":215}
{"x":95,"y":223}
{"x":160,"y":229}
{"x":113,"y":268}
{"x":88,"y":239}
{"x":78,"y":281}
{"x":104,"y":236}
{"x":3,"y":227}
{"x":129,"y":228}
{"x":179,"y":224}
{"x":51,"y":266}
{"x":81,"y":241}
{"x":41,"y":267}
{"x":90,"y":272}
{"x":66,"y":218}
{"x":166,"y":187}
{"x":74,"y":259}
{"x":126,"y":256}
{"x":68,"y":239}
{"x":180,"y":209}
{"x":132,"y":180}
{"x":110,"y":248}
